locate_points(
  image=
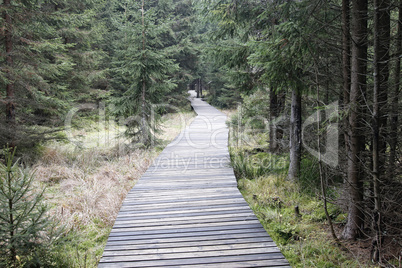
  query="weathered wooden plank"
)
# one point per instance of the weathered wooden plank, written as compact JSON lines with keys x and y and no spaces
{"x":184,"y":219}
{"x":178,"y":209}
{"x":178,"y":192}
{"x":277,"y":263}
{"x":184,"y":208}
{"x":161,"y":223}
{"x":185,"y":203}
{"x":195,"y":255}
{"x":206,"y":237}
{"x":201,"y":187}
{"x":228,"y":260}
{"x":192,"y":234}
{"x":245,"y":248}
{"x":174,"y":243}
{"x":179,"y":196}
{"x":192,"y":228}
{"x":146,"y":214}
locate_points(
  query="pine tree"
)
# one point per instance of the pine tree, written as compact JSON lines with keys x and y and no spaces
{"x":22,"y":212}
{"x":143,"y":66}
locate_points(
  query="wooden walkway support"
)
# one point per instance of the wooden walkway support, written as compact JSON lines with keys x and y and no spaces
{"x":186,"y":210}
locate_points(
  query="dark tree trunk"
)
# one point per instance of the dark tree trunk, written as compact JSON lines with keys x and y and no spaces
{"x":381,"y":75}
{"x":354,"y":182}
{"x":144,"y":128}
{"x":273,"y":114}
{"x":197,"y":88}
{"x":8,"y":44}
{"x":393,"y":135}
{"x":295,"y":135}
{"x":345,"y":72}
{"x":275,"y":110}
{"x":200,"y":86}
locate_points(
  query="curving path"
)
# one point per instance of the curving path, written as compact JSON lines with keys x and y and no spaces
{"x":186,"y":210}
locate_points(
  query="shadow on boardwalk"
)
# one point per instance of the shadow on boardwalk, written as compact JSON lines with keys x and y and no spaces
{"x":186,"y":210}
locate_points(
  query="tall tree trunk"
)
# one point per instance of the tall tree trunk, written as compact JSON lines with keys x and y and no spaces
{"x":273,"y":114}
{"x":200,"y":86}
{"x":144,"y":128}
{"x":346,"y":63}
{"x":295,"y":135}
{"x":8,"y":44}
{"x":197,"y":88}
{"x":393,"y":135}
{"x":345,"y":74}
{"x":381,"y":75}
{"x":275,"y":110}
{"x":355,"y":147}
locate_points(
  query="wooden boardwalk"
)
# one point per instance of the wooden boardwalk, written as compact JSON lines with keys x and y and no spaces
{"x":186,"y":210}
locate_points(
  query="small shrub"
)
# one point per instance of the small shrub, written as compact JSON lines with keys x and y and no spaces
{"x":26,"y":232}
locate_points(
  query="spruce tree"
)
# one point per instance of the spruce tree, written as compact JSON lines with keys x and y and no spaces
{"x":143,"y":66}
{"x":22,"y":213}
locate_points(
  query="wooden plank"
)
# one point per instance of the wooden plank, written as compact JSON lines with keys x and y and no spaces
{"x":161,"y":244}
{"x":184,"y":219}
{"x":177,"y":196}
{"x":206,"y":237}
{"x":179,"y":210}
{"x":227,"y":260}
{"x":277,"y":263}
{"x":185,"y":203}
{"x":146,"y":214}
{"x":177,"y":192}
{"x":161,"y":223}
{"x":192,"y":235}
{"x":195,"y":249}
{"x":195,"y":255}
{"x":183,"y":208}
{"x":193,"y":228}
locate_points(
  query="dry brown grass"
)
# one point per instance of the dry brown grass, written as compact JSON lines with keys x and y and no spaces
{"x":91,"y":184}
{"x":81,"y":191}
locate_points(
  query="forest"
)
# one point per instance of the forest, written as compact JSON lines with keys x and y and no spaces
{"x":311,"y":87}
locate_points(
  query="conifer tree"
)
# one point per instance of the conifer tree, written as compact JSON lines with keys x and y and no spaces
{"x":143,"y":66}
{"x":22,"y":212}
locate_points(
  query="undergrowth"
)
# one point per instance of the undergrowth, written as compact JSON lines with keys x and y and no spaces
{"x":303,"y":237}
{"x":304,"y":240}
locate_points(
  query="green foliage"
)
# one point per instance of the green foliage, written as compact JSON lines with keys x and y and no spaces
{"x":84,"y":248}
{"x":284,"y":57}
{"x":251,"y":166}
{"x":55,"y":63}
{"x":255,"y":111}
{"x":250,"y":125}
{"x":228,"y":72}
{"x":276,"y":44}
{"x":143,"y":66}
{"x":26,"y":233}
